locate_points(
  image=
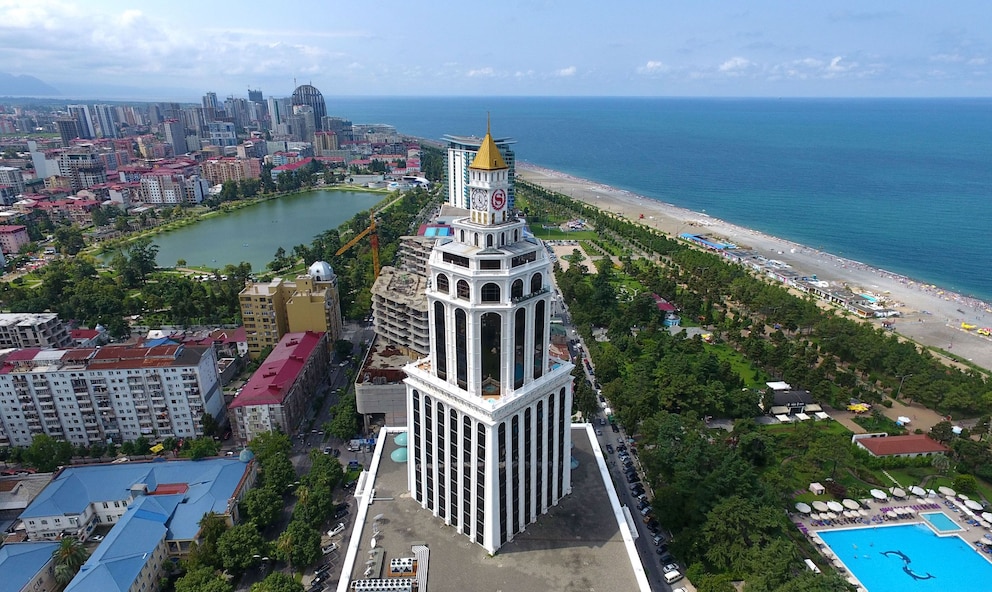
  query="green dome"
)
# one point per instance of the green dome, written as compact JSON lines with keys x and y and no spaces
{"x":400,"y":439}
{"x":399,"y":455}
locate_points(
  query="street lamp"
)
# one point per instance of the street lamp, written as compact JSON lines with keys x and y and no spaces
{"x":902,"y":379}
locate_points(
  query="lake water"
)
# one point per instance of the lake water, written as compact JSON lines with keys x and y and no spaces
{"x":253,"y":234}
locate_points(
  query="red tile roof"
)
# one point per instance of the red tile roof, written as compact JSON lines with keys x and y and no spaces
{"x":270,"y":384}
{"x":908,"y":444}
{"x":294,"y":165}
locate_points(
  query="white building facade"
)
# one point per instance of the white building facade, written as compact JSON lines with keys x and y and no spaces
{"x":117,"y":393}
{"x":489,"y":410}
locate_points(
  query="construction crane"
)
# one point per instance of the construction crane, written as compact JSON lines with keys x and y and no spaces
{"x":374,"y":240}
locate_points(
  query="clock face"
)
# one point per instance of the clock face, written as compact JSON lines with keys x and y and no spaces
{"x":479,"y":199}
{"x":499,"y":199}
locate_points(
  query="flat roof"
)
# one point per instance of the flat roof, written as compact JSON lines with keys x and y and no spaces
{"x":577,"y":545}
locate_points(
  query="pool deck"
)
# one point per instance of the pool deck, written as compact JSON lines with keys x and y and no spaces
{"x":896,"y":511}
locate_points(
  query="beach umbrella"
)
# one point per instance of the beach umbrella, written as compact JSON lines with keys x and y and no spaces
{"x":863,"y":512}
{"x":835,"y":506}
{"x":917,"y":490}
{"x":832,"y":516}
{"x":987,"y":516}
{"x":951,"y":499}
{"x":944,"y":490}
{"x":898,"y":492}
{"x":804,"y":508}
{"x":850,"y":504}
{"x":879,"y":494}
{"x":820,"y":506}
{"x":963,"y":496}
{"x":891,"y":514}
{"x":973,"y":504}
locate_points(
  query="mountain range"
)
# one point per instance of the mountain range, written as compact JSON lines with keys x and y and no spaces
{"x":22,"y":85}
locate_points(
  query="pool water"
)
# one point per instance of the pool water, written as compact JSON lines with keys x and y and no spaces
{"x":910,"y":558}
{"x":941,"y":521}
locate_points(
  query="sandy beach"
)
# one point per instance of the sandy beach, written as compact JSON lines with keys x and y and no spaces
{"x":929,"y":314}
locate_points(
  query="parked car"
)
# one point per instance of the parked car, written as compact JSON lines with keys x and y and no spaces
{"x":336,"y":530}
{"x":329,"y":548}
{"x":599,"y":432}
{"x":609,"y":449}
{"x":616,"y":428}
{"x":671,"y":567}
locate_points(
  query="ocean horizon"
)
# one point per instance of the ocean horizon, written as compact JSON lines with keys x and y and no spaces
{"x":900,"y":184}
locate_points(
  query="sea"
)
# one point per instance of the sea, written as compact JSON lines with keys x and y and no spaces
{"x":900,"y":184}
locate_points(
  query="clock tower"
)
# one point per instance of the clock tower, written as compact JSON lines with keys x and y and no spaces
{"x":489,"y":183}
{"x":489,"y":408}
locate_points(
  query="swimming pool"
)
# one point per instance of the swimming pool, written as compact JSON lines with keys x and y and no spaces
{"x":941,"y":521}
{"x":909,"y":558}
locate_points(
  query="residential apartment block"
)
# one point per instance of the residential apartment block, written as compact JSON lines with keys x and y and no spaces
{"x":280,"y":391}
{"x":12,"y":237}
{"x":167,"y":187}
{"x":311,"y":303}
{"x":219,"y":170}
{"x":23,"y":329}
{"x":118,"y":393}
{"x":462,"y":151}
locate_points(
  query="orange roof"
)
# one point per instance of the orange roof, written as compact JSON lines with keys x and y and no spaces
{"x":908,"y":444}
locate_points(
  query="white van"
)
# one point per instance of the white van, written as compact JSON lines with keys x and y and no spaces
{"x":673,"y":576}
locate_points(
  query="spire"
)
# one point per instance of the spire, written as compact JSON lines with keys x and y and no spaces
{"x":488,"y":158}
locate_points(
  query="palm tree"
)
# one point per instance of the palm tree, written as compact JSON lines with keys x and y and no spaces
{"x":69,"y":557}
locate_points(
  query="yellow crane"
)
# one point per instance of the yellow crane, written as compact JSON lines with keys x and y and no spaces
{"x":374,"y":240}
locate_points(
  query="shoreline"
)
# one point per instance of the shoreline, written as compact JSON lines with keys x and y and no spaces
{"x":930,"y":315}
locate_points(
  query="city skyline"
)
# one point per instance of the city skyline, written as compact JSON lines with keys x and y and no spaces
{"x":116,"y":50}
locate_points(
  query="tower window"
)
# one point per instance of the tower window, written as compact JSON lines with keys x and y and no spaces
{"x":489,"y":240}
{"x":517,"y":289}
{"x":442,"y":284}
{"x":490,"y":264}
{"x":491,"y":353}
{"x":536,"y":283}
{"x":440,"y":343}
{"x":461,"y":348}
{"x":490,"y":292}
{"x":463,"y":290}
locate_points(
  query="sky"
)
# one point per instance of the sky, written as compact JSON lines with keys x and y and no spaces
{"x":179,"y":49}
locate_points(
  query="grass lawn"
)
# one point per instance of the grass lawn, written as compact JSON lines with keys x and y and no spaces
{"x":555,"y":234}
{"x":753,"y":377}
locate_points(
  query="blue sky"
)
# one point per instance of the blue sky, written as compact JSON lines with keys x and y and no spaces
{"x":179,"y":49}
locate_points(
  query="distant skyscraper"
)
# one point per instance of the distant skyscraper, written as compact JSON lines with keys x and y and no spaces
{"x":82,"y":115}
{"x":154,"y":114}
{"x":308,"y":95}
{"x":255,"y":96}
{"x":106,"y":118}
{"x":68,"y":129}
{"x":489,"y":410}
{"x":210,"y":106}
{"x":175,"y":135}
{"x":461,"y":153}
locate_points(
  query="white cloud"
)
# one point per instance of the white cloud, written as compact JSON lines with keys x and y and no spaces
{"x":566,"y":72}
{"x":523,"y":73}
{"x":653,"y":67}
{"x":486,"y":72}
{"x":736,"y":65}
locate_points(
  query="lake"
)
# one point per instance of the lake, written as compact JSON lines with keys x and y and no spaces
{"x":254,"y":233}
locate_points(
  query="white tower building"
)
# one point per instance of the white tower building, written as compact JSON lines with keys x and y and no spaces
{"x":489,"y":410}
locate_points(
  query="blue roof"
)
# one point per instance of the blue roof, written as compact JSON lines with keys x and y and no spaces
{"x":20,"y":562}
{"x":211,"y":483}
{"x":118,"y":560}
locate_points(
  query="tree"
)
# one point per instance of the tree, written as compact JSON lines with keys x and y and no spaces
{"x":966,"y":483}
{"x":300,"y":544}
{"x":263,"y":506}
{"x":278,"y":473}
{"x":345,"y":422}
{"x":277,"y":582}
{"x":46,"y":454}
{"x":268,"y":445}
{"x":69,"y":240}
{"x":942,"y":431}
{"x":69,"y":556}
{"x":203,"y":579}
{"x":343,"y":348}
{"x":239,"y":547}
{"x":200,"y":448}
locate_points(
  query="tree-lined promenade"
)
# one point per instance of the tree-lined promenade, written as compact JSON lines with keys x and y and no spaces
{"x":723,"y":494}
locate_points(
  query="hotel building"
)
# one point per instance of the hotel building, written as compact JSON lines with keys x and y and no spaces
{"x":462,"y":151}
{"x":489,"y":410}
{"x":24,"y":329}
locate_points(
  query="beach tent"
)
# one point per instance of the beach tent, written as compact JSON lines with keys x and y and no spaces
{"x":879,"y":494}
{"x":821,"y":415}
{"x":802,"y":416}
{"x":816,"y":489}
{"x":783,"y":418}
{"x":820,"y":506}
{"x":804,"y":508}
{"x":946,"y":491}
{"x":851,"y":504}
{"x":903,"y":420}
{"x":835,"y":506}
